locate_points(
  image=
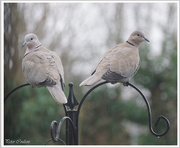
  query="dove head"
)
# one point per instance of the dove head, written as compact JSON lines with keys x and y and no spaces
{"x":137,"y":37}
{"x":31,"y":41}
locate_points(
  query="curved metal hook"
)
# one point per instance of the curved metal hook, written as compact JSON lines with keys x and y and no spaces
{"x":12,"y":91}
{"x":52,"y":139}
{"x":150,"y":116}
{"x":58,"y":129}
{"x":84,"y":97}
{"x":53,"y":124}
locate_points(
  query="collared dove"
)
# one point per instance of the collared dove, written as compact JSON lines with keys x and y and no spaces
{"x":120,"y":63}
{"x":43,"y":67}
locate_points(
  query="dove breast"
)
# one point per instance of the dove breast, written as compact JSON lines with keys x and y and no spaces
{"x":42,"y":68}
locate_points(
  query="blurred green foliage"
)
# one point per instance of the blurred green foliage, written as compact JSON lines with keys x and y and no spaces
{"x":106,"y":117}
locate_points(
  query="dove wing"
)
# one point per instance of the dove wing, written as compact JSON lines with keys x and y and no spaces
{"x":41,"y":68}
{"x":123,"y":62}
{"x":102,"y":65}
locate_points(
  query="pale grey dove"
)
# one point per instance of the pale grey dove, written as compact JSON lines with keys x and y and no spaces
{"x":120,"y":63}
{"x":43,"y":67}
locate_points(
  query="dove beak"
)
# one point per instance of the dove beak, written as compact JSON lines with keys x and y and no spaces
{"x":24,"y":44}
{"x":146,"y":39}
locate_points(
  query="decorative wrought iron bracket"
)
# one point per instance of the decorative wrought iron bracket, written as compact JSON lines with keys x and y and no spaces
{"x":72,"y":116}
{"x":72,"y":139}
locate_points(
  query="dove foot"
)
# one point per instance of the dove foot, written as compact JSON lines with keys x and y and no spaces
{"x":126,"y":83}
{"x":113,"y":82}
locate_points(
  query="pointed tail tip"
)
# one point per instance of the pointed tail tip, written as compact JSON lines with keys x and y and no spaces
{"x":64,"y":102}
{"x":58,"y":94}
{"x":61,"y":101}
{"x":83,"y":84}
{"x":80,"y":85}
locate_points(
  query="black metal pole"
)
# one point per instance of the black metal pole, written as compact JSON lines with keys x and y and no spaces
{"x":73,"y":115}
{"x":70,"y":139}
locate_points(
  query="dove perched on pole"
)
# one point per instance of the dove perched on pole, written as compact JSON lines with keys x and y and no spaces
{"x":43,"y":67}
{"x":120,"y":63}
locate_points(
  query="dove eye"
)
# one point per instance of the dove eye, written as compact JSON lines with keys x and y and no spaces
{"x":31,"y":38}
{"x":138,"y":35}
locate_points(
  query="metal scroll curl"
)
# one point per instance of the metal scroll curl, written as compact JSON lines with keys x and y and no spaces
{"x":57,"y":129}
{"x":150,"y":116}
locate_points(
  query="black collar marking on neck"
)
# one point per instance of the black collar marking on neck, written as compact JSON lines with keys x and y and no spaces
{"x":130,"y":43}
{"x":38,"y":46}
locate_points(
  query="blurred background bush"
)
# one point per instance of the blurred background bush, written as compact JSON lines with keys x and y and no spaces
{"x":80,"y":33}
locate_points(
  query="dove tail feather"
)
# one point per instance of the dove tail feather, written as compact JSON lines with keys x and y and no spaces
{"x":91,"y":80}
{"x":57,"y":93}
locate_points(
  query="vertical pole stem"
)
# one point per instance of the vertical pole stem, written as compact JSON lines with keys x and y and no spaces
{"x":70,"y":139}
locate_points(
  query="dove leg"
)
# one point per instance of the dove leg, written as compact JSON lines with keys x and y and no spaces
{"x":125,"y":83}
{"x":113,"y":82}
